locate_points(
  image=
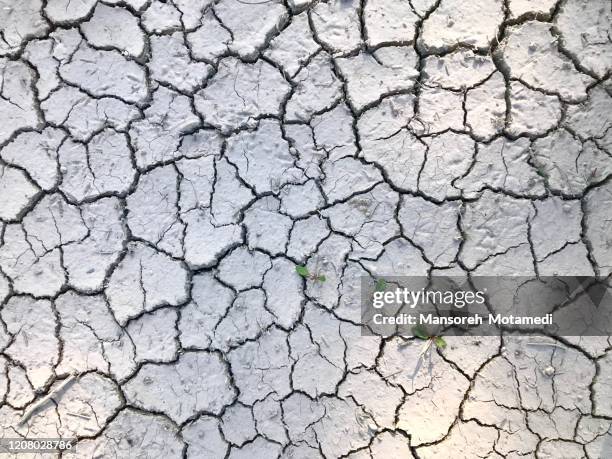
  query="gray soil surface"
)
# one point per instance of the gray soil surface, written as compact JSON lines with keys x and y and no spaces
{"x":165,"y":166}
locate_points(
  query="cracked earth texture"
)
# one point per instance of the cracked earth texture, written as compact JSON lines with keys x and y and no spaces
{"x":165,"y":165}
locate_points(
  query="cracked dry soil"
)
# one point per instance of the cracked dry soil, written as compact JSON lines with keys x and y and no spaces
{"x":165,"y":165}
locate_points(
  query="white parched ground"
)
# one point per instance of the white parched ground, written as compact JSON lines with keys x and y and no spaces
{"x":166,"y":165}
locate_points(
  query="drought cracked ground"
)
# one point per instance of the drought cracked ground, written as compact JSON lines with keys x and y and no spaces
{"x":164,"y":166}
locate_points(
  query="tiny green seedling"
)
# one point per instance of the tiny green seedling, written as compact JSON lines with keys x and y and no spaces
{"x":420,"y":332}
{"x":439,"y":342}
{"x":426,"y":352}
{"x":381,"y":285}
{"x":303,"y":271}
{"x":542,"y":172}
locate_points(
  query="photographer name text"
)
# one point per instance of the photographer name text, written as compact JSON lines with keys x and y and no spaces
{"x":473,"y":320}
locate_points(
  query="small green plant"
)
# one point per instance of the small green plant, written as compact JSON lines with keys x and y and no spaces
{"x":303,"y":271}
{"x":541,"y":171}
{"x":381,"y":285}
{"x":426,"y":351}
{"x":420,"y":332}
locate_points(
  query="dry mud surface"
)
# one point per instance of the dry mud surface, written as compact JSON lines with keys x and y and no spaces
{"x":164,"y":166}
